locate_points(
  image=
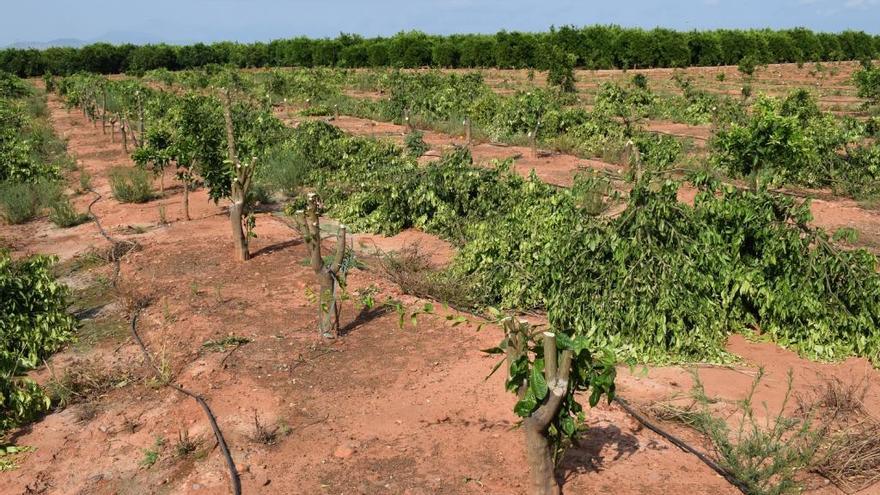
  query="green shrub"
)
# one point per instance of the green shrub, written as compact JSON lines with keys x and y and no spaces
{"x":64,"y":215}
{"x":12,"y":87}
{"x":747,"y":65}
{"x":640,"y":81}
{"x":784,"y":141}
{"x":33,"y":323}
{"x":131,"y":184}
{"x":560,"y":69}
{"x":21,"y":202}
{"x":284,"y":170}
{"x":664,"y":281}
{"x":867,"y":82}
{"x":415,"y":145}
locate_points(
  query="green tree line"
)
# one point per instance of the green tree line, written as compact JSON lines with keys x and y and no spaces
{"x":595,"y":47}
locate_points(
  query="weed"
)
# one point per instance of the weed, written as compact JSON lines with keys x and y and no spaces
{"x":85,"y":180}
{"x":21,"y":202}
{"x":94,"y":331}
{"x":9,"y":455}
{"x":185,"y":445}
{"x":262,"y":434}
{"x":64,"y":215}
{"x":81,"y":262}
{"x":165,"y":374}
{"x":131,"y":184}
{"x":151,"y":455}
{"x":163,"y":219}
{"x":225,"y":343}
{"x":764,"y":457}
{"x":84,"y":381}
{"x":411,"y":269}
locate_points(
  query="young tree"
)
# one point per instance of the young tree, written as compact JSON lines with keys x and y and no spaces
{"x":545,"y":370}
{"x":156,"y":152}
{"x":560,"y":66}
{"x":331,"y":276}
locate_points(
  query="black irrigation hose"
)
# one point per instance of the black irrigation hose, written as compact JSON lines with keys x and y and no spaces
{"x":682,"y":445}
{"x":235,"y":481}
{"x":113,"y":242}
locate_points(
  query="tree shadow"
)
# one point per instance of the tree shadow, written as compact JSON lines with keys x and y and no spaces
{"x":88,"y":313}
{"x":363,"y":317}
{"x":279,"y":246}
{"x":586,"y":454}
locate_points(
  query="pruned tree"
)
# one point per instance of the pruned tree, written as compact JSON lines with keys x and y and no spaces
{"x":331,"y":276}
{"x":545,"y":370}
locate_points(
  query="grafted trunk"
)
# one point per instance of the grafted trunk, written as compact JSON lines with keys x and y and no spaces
{"x":124,"y":135}
{"x":104,"y":112}
{"x":467,"y":131}
{"x":240,"y":186}
{"x":239,"y":235}
{"x":540,"y":459}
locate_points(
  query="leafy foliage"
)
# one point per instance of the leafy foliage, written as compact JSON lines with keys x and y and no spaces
{"x":668,"y":282}
{"x":33,"y":324}
{"x":791,"y":141}
{"x":868,"y":83}
{"x":415,"y":145}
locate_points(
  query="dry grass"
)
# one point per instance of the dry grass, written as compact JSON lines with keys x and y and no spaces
{"x":829,"y":433}
{"x":85,"y":381}
{"x":411,"y":269}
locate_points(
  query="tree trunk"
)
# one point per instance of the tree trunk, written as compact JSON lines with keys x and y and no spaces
{"x":186,"y":199}
{"x":162,"y":183}
{"x":239,"y":236}
{"x":124,"y":135}
{"x":540,"y":459}
{"x":535,"y":427}
{"x":104,"y":113}
{"x":308,"y":223}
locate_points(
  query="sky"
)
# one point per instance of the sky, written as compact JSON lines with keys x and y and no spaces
{"x":188,"y":21}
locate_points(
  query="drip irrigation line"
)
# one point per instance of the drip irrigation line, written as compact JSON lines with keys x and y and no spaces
{"x":113,"y":242}
{"x":234,"y":479}
{"x":682,"y":445}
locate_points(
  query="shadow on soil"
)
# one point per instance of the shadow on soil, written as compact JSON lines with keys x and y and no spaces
{"x":587,"y":455}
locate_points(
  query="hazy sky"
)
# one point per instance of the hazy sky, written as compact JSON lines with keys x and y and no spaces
{"x":248,"y":20}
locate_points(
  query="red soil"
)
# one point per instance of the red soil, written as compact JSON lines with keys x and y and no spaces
{"x":381,"y":410}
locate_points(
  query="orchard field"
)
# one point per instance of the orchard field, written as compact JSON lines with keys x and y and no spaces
{"x":441,"y":280}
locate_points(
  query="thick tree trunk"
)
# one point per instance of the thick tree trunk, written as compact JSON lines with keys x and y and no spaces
{"x":540,"y":459}
{"x":239,"y":236}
